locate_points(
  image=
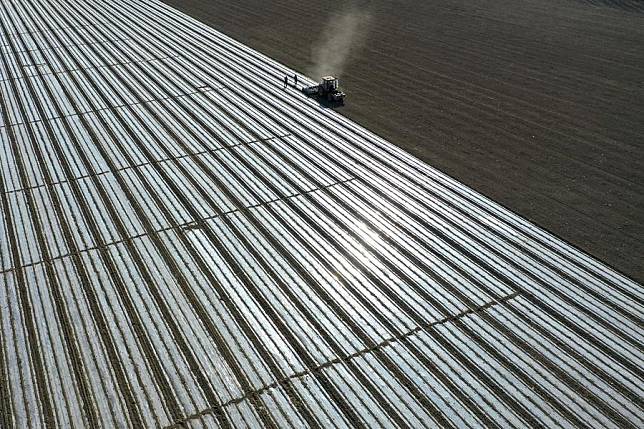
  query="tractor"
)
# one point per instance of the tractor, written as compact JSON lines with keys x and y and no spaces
{"x":327,"y":91}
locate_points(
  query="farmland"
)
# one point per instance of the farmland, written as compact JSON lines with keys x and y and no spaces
{"x":536,"y":104}
{"x":186,"y":241}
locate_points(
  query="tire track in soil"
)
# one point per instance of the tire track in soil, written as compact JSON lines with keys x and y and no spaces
{"x":486,"y":117}
{"x":477,"y":90}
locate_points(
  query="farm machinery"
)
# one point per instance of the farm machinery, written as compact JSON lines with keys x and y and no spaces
{"x":327,"y":91}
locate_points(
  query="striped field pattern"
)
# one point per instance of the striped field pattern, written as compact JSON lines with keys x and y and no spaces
{"x":186,"y":243}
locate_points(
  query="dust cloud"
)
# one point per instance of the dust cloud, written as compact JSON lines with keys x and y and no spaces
{"x":343,"y":36}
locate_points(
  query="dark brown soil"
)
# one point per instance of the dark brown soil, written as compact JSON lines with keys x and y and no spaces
{"x":538,"y":104}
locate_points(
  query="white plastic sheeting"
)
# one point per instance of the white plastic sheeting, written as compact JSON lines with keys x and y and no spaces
{"x":185,"y":242}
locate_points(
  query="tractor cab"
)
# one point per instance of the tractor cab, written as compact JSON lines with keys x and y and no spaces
{"x":329,"y":84}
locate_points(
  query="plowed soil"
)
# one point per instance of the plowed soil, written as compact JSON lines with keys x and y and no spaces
{"x":536,"y":104}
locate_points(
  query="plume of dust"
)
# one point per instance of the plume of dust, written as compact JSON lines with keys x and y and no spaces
{"x":344,"y":35}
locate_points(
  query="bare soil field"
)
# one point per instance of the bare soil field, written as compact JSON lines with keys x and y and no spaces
{"x":538,"y":104}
